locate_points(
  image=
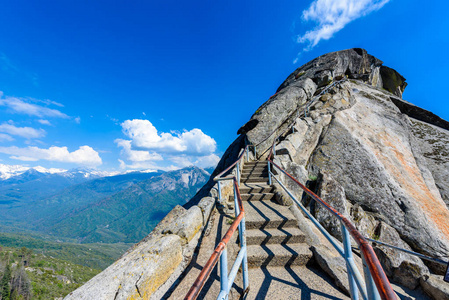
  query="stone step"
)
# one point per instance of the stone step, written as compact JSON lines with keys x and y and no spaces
{"x":254,"y":179}
{"x":254,"y":169}
{"x":265,"y":176}
{"x":254,"y":166}
{"x":249,"y":188}
{"x":261,"y":214}
{"x":246,"y":176}
{"x":252,"y":172}
{"x":275,"y":236}
{"x":256,"y":162}
{"x":255,"y":196}
{"x":278,"y":255}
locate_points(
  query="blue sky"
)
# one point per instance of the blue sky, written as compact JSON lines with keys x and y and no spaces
{"x":166,"y":84}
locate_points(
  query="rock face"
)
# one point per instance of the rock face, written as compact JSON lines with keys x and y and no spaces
{"x":301,"y":85}
{"x":381,"y":161}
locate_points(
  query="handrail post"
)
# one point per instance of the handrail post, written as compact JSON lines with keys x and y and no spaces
{"x":348,"y":257}
{"x":255,"y":152}
{"x":219,"y":191}
{"x":242,"y":233}
{"x":242,"y":237}
{"x":238,"y":173}
{"x":247,"y":153}
{"x":269,"y":173}
{"x":373,"y":293}
{"x":224,"y":270}
{"x":236,"y":202}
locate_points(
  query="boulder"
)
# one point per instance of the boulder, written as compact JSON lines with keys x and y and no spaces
{"x":297,"y":138}
{"x":311,"y":139}
{"x":401,"y":267}
{"x":281,"y":196}
{"x":279,"y":110}
{"x":392,"y":81}
{"x":187,"y":225}
{"x":334,"y":194}
{"x":355,"y":63}
{"x":206,"y":205}
{"x":435,"y":287}
{"x":285,"y":147}
{"x":334,"y":265}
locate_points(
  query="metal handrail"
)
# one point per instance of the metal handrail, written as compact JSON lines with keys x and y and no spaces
{"x":220,"y":252}
{"x":375,"y":272}
{"x":434,"y":259}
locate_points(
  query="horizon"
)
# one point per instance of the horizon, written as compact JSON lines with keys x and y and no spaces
{"x":157,"y":85}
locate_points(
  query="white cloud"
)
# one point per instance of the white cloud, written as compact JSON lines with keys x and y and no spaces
{"x":77,"y":120}
{"x":146,"y":165}
{"x":136,"y":155}
{"x":207,"y":161}
{"x":122,"y":164}
{"x":202,"y":161}
{"x":333,"y":15}
{"x":26,"y":132}
{"x":145,"y":136}
{"x":44,"y":122}
{"x":85,"y":155}
{"x":146,"y":146}
{"x":24,"y":106}
{"x":6,"y":137}
{"x":24,"y":158}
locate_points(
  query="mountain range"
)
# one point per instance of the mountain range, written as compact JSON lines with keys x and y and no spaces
{"x":87,"y":206}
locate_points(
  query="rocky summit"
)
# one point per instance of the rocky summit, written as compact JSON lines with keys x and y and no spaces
{"x":341,"y":127}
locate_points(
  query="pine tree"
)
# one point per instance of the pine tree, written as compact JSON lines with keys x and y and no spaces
{"x":5,"y":283}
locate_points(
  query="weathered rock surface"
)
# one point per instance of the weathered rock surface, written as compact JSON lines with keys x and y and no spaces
{"x":280,"y":108}
{"x":292,"y":96}
{"x":155,"y":261}
{"x":435,"y":287}
{"x":368,"y":148}
{"x":401,"y":267}
{"x":187,"y":225}
{"x":378,"y":159}
{"x":136,"y":276}
{"x":434,"y":144}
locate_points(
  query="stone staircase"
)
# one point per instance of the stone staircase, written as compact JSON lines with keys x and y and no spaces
{"x":277,"y":253}
{"x":272,"y":234}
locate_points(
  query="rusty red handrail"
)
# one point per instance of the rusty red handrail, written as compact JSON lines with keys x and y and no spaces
{"x":380,"y":279}
{"x":209,"y":266}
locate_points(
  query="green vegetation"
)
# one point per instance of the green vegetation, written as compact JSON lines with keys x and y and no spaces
{"x":51,"y":245}
{"x":26,"y":274}
{"x":96,"y":256}
{"x":230,"y":220}
{"x":313,"y":177}
{"x":117,"y":209}
{"x":120,"y":217}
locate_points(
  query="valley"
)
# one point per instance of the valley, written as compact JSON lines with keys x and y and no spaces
{"x":76,"y":223}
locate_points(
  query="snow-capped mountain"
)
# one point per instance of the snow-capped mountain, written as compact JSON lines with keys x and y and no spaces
{"x":8,"y":171}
